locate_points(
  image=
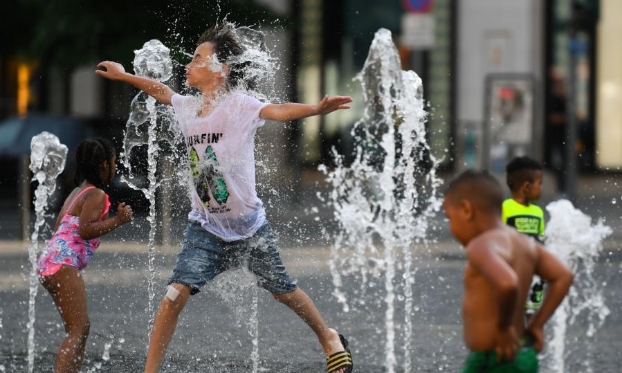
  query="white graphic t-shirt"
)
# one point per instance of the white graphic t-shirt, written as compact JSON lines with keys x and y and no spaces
{"x":222,"y":162}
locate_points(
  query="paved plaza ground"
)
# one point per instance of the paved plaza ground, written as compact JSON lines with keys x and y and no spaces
{"x":213,"y":333}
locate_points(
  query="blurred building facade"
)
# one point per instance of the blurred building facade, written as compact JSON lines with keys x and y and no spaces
{"x":495,"y":75}
{"x":484,"y":63}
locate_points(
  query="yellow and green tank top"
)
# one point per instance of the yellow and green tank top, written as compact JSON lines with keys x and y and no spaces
{"x":526,"y":219}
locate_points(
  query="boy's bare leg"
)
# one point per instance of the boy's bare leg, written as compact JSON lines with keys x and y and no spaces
{"x":164,"y":327}
{"x":300,"y":303}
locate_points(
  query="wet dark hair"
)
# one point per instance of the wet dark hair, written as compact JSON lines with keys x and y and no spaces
{"x":227,"y":46}
{"x":479,"y":187}
{"x":521,"y":170}
{"x":90,"y":157}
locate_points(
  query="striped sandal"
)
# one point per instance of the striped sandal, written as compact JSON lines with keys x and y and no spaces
{"x":340,"y":359}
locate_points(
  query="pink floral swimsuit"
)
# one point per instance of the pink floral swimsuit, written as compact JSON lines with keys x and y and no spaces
{"x":66,"y":246}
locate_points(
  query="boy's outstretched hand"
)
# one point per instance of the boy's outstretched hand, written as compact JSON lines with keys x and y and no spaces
{"x":113,"y":70}
{"x":332,"y":103}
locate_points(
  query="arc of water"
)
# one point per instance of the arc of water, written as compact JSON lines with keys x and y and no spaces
{"x":47,"y":161}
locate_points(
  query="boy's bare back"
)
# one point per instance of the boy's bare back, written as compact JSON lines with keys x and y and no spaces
{"x":500,"y":267}
{"x":505,"y":256}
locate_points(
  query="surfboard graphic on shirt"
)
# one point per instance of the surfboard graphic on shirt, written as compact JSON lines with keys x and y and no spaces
{"x":215,"y":179}
{"x":200,"y":177}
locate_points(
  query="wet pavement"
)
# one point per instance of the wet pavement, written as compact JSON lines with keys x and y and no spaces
{"x":213,"y":331}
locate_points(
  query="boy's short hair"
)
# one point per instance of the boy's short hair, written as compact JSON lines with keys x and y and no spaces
{"x":227,"y":48}
{"x":479,"y":187}
{"x":521,"y":170}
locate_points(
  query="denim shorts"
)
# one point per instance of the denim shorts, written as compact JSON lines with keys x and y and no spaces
{"x":203,"y":256}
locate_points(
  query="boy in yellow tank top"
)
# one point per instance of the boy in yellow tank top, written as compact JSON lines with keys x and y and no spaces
{"x":524,"y":178}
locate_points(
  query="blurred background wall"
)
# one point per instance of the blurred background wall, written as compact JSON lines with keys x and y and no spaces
{"x":478,"y":59}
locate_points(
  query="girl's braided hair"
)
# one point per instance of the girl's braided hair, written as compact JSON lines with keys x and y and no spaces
{"x":90,"y":157}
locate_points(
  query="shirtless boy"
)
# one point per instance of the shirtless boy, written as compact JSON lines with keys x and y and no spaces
{"x":497,"y":278}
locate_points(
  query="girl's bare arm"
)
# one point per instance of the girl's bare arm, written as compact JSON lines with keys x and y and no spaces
{"x":94,"y":204}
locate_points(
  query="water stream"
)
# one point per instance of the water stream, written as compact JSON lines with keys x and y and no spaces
{"x":572,"y":236}
{"x":149,"y":124}
{"x":47,"y":161}
{"x":384,"y":200}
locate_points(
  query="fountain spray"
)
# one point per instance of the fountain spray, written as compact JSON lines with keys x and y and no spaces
{"x":47,"y":161}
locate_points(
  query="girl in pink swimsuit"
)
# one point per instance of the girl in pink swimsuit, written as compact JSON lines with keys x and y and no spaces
{"x":81,"y":221}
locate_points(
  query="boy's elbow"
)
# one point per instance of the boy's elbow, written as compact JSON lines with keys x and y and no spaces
{"x":569,"y":277}
{"x":509,"y":287}
{"x":564,"y":280}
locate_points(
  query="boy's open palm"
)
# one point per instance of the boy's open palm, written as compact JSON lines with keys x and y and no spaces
{"x":113,"y":70}
{"x":332,"y":103}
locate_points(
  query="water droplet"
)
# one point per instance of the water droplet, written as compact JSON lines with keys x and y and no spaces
{"x":613,"y":201}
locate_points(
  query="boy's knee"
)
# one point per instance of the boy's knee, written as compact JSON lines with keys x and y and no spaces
{"x":176,"y":296}
{"x":283,"y":297}
{"x":172,"y":293}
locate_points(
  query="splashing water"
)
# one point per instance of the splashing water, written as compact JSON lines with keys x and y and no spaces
{"x":234,"y":287}
{"x":47,"y":161}
{"x":106,"y":353}
{"x":383,"y":201}
{"x":147,"y":125}
{"x":571,"y":235}
{"x":150,"y":124}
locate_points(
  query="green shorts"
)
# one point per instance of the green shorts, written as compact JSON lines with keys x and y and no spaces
{"x":526,"y":361}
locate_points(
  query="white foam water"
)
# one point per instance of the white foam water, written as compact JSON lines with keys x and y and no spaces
{"x":149,"y":124}
{"x":47,"y":161}
{"x":384,"y":200}
{"x":571,"y":235}
{"x":236,"y":288}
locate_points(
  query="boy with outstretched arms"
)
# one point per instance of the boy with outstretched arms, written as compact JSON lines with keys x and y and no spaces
{"x":497,"y":278}
{"x":524,"y":178}
{"x":227,"y":224}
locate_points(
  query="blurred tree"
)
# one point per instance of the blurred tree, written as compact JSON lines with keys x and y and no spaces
{"x":15,"y":30}
{"x":68,"y":33}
